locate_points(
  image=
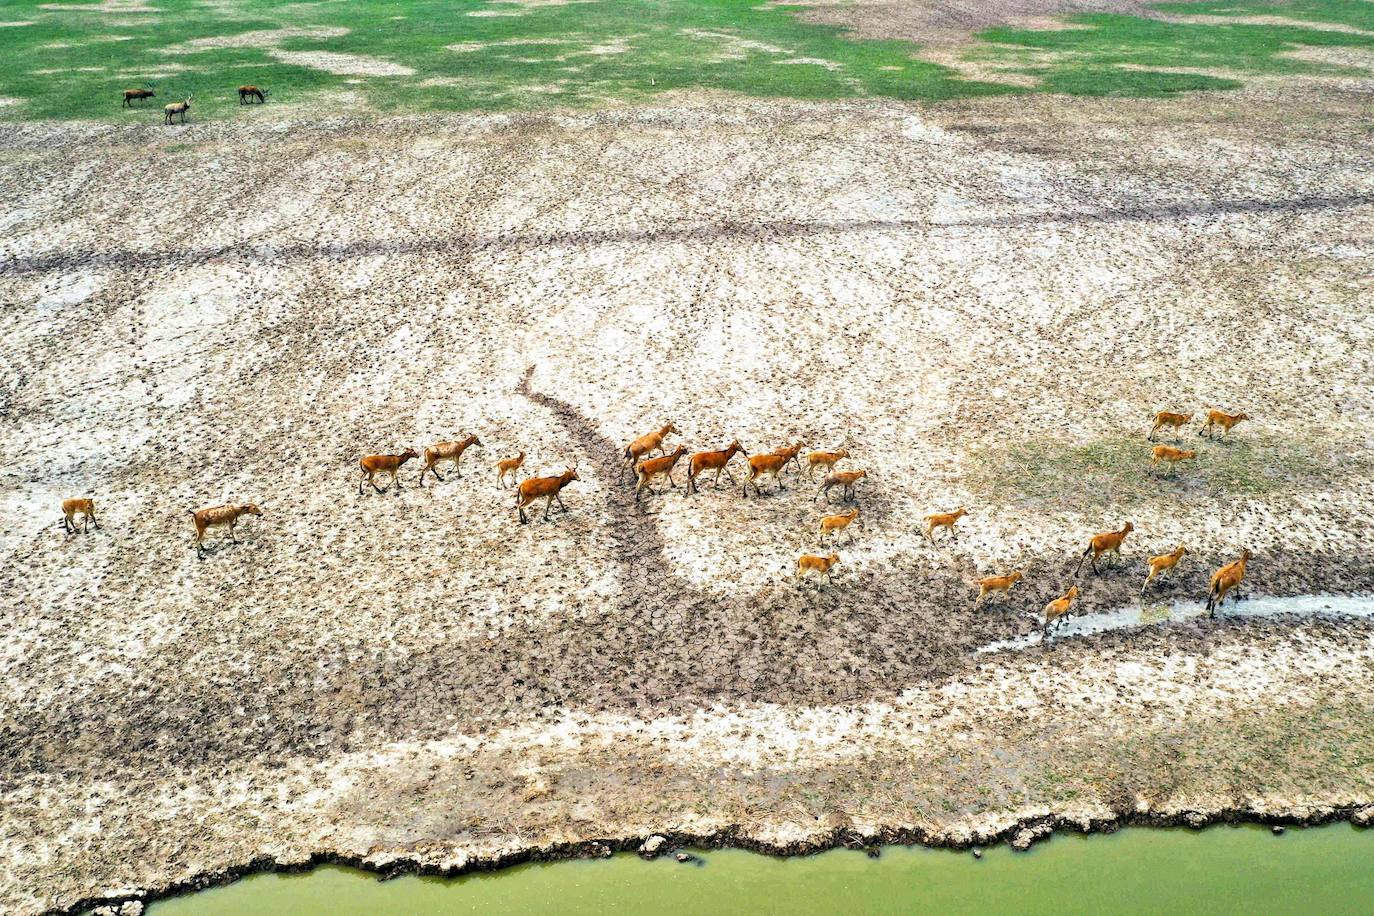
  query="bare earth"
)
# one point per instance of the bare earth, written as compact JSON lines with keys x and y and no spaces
{"x":418,"y":680}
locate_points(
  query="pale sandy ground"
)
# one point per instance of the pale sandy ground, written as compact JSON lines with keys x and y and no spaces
{"x":236,"y":311}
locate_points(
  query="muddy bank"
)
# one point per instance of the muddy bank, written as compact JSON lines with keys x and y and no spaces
{"x":416,"y":677}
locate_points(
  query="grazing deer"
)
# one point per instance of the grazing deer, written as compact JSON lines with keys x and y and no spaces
{"x":944,"y":520}
{"x":508,"y":466}
{"x":176,"y":108}
{"x":843,"y":479}
{"x":1170,"y":456}
{"x":1165,"y":419}
{"x":824,"y":460}
{"x":996,"y":585}
{"x":821,"y":566}
{"x":643,"y":445}
{"x":1224,"y":420}
{"x":1057,"y":611}
{"x":701,"y":462}
{"x":1164,"y":563}
{"x":72,"y":506}
{"x":536,"y":487}
{"x":384,"y":464}
{"x":833,"y":524}
{"x":1224,"y":580}
{"x":248,"y":93}
{"x":1107,"y":542}
{"x":651,"y":469}
{"x":131,"y":94}
{"x":219,"y":517}
{"x":447,"y":451}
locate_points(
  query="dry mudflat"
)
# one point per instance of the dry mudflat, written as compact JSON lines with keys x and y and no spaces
{"x":985,"y":301}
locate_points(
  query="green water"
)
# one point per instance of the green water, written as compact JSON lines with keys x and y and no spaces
{"x":1323,"y":870}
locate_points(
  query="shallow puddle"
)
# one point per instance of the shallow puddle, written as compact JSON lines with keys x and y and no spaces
{"x":1148,"y":613}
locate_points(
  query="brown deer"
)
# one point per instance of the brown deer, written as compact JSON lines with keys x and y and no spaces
{"x":447,"y":451}
{"x":1224,"y":420}
{"x":651,"y":469}
{"x":1225,"y":580}
{"x":824,"y":460}
{"x":996,"y":585}
{"x":1107,"y":542}
{"x":534,"y":488}
{"x":248,"y":93}
{"x":1164,"y":419}
{"x":821,"y":566}
{"x":72,"y":506}
{"x":1163,"y":563}
{"x":845,"y":480}
{"x":226,"y":516}
{"x":373,"y":465}
{"x":943,"y":520}
{"x":834,"y":524}
{"x":1170,"y":456}
{"x":176,"y":108}
{"x":1057,"y":611}
{"x":508,"y":466}
{"x":643,"y":445}
{"x":719,"y":461}
{"x":130,"y":95}
{"x":769,"y":465}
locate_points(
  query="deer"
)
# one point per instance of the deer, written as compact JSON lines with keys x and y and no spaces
{"x":508,"y":466}
{"x":644,"y":445}
{"x":843,"y":479}
{"x":1164,"y":419}
{"x":810,"y":563}
{"x":373,"y":465}
{"x":447,"y":451}
{"x":1057,"y":611}
{"x":87,"y":509}
{"x":650,"y":469}
{"x":534,"y":488}
{"x":824,"y":460}
{"x":1107,"y":542}
{"x":790,"y":453}
{"x":833,"y":524}
{"x":944,"y":520}
{"x":176,"y":108}
{"x":248,"y":93}
{"x":1163,"y":563}
{"x":226,"y":516}
{"x":1170,"y":456}
{"x":770,"y":465}
{"x":1224,"y":420}
{"x":719,"y":461}
{"x":130,"y":95}
{"x":1225,"y":580}
{"x":996,"y":585}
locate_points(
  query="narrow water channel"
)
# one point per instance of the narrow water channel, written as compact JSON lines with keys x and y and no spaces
{"x":1221,"y":870}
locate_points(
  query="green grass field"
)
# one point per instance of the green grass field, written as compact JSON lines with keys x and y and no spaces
{"x":71,"y":59}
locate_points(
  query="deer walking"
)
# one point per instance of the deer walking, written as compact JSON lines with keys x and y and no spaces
{"x":372,"y":465}
{"x":508,"y":466}
{"x":845,"y":480}
{"x":547,"y":488}
{"x":717,"y":461}
{"x":834,"y":524}
{"x":651,"y":469}
{"x":1166,"y":420}
{"x":1057,"y":611}
{"x":1225,"y":580}
{"x":132,"y":95}
{"x":821,"y":566}
{"x":824,"y":460}
{"x":226,"y":516}
{"x":1107,"y":542}
{"x":944,"y":520}
{"x":1163,"y":563}
{"x":643,"y":445}
{"x":1217,"y":418}
{"x":447,"y":451}
{"x":1169,"y":455}
{"x":996,"y":585}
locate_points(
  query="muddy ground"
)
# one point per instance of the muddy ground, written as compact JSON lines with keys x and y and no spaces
{"x":237,"y":312}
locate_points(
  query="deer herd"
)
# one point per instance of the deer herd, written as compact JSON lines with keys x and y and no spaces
{"x":248,"y":95}
{"x":650,"y":469}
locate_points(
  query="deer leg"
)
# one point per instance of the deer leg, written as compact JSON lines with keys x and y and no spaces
{"x":671,"y":482}
{"x":548,"y":504}
{"x":374,"y":484}
{"x":559,"y":497}
{"x":727,"y":474}
{"x":67,"y":524}
{"x":524,"y":520}
{"x":458,"y":467}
